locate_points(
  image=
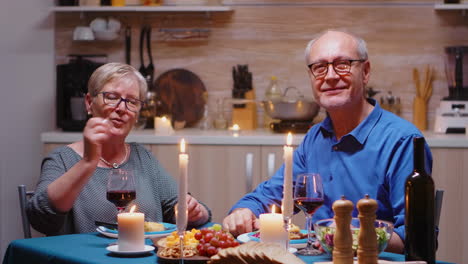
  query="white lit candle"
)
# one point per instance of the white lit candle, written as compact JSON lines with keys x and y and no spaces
{"x":181,"y":220}
{"x":271,"y":227}
{"x":235,"y":130}
{"x":288,"y":204}
{"x":131,"y":231}
{"x":162,"y":125}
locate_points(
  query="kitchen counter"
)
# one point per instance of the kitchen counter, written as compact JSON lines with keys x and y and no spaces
{"x":247,"y":137}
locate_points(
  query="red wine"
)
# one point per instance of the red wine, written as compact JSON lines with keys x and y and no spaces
{"x":308,"y":205}
{"x":121,"y":198}
{"x":420,"y":240}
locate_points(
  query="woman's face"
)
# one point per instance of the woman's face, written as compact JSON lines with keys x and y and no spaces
{"x":120,"y":117}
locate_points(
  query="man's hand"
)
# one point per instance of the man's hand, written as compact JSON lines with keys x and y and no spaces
{"x":241,"y":220}
{"x":395,"y":245}
{"x":197,"y":213}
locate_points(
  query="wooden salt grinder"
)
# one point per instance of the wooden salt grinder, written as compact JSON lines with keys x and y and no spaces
{"x":367,"y":252}
{"x":343,"y":240}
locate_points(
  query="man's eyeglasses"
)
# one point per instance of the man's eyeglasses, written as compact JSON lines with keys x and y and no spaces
{"x":114,"y":99}
{"x":341,"y":67}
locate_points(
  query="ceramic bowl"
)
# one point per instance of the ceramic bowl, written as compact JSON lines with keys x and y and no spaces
{"x":106,"y":34}
{"x":98,"y":24}
{"x":83,"y":33}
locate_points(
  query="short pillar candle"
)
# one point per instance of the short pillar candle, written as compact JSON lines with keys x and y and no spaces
{"x":272,"y":228}
{"x":131,"y":231}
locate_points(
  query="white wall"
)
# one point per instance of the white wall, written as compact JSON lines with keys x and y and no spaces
{"x":27,"y":96}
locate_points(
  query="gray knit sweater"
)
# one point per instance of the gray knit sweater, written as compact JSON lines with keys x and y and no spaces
{"x":156,"y":193}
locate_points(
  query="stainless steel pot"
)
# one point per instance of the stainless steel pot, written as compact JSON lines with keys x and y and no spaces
{"x":291,"y":107}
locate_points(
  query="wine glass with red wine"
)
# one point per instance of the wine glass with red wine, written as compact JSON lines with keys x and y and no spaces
{"x":121,"y":188}
{"x":308,"y":196}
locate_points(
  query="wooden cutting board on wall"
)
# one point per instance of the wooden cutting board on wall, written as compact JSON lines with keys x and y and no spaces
{"x":182,"y":96}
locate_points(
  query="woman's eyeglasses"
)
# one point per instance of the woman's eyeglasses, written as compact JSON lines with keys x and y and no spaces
{"x":114,"y":99}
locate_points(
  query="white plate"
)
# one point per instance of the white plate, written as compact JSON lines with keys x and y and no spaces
{"x":115,"y":249}
{"x":244,"y":238}
{"x":104,"y":231}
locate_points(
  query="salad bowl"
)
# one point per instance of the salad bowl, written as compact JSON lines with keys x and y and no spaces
{"x":325,"y":230}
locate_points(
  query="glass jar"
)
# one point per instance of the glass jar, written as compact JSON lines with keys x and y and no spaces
{"x":219,"y":121}
{"x":149,"y":109}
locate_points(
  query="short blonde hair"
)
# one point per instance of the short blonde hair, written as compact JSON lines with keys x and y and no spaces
{"x":112,"y":71}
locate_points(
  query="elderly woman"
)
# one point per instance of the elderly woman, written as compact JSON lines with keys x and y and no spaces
{"x":71,"y":193}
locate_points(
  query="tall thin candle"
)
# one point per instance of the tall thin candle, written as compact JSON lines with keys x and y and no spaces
{"x":288,"y":204}
{"x":182,"y":203}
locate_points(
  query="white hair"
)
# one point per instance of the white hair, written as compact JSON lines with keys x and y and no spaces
{"x":360,"y":43}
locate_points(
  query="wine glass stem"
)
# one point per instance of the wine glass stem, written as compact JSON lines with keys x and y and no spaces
{"x":309,"y":230}
{"x":181,"y":245}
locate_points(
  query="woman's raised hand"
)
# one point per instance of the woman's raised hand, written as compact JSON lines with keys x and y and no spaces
{"x":95,"y":133}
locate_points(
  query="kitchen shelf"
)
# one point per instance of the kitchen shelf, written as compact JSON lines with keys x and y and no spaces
{"x":463,"y":7}
{"x":451,"y":6}
{"x":141,"y":9}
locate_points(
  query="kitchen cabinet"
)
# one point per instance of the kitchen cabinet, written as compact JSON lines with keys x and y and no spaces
{"x":219,"y":175}
{"x":271,"y":160}
{"x":449,"y":172}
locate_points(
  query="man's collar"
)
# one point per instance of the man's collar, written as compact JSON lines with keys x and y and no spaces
{"x":362,"y":131}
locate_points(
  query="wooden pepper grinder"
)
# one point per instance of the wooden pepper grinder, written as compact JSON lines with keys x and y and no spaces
{"x":343,"y":239}
{"x":367,"y":240}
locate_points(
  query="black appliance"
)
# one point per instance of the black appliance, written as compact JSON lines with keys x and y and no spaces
{"x":456,"y":70}
{"x":68,"y":2}
{"x":452,"y":114}
{"x":72,"y":85}
{"x":293,"y":126}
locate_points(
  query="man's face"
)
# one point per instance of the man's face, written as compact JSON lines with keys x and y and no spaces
{"x":333,"y":91}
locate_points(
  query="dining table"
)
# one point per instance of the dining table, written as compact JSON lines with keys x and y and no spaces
{"x":90,"y":248}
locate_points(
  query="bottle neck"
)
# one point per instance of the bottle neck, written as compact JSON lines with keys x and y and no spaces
{"x":419,"y":154}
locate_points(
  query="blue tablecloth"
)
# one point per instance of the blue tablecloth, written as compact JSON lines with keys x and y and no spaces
{"x":91,"y":249}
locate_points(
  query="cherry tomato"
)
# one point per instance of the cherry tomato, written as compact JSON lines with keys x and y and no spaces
{"x":198,"y":235}
{"x":208,"y":237}
{"x":211,"y":251}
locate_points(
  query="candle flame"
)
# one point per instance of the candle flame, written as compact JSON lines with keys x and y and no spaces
{"x":182,"y":146}
{"x":289,"y":139}
{"x":132,"y":208}
{"x":164,"y":118}
{"x":235,"y":127}
{"x":273,"y":208}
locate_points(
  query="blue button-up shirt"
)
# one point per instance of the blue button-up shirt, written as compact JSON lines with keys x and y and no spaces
{"x":375,"y":158}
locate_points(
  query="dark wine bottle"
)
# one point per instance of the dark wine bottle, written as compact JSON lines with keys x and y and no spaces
{"x":420,"y":240}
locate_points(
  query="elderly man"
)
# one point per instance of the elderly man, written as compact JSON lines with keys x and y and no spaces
{"x":358,"y":149}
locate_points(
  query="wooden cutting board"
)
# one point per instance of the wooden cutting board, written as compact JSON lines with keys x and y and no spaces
{"x":182,"y":95}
